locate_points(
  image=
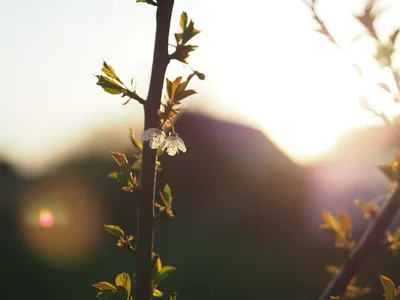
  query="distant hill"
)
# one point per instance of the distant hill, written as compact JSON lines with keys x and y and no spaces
{"x":246,"y":224}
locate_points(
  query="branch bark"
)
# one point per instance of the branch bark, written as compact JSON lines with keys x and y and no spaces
{"x":366,"y":246}
{"x":143,"y":289}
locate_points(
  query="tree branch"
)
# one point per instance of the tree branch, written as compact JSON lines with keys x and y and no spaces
{"x":143,"y":289}
{"x":364,"y":248}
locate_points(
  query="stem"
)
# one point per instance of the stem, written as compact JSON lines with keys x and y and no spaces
{"x":143,"y":288}
{"x":364,"y":248}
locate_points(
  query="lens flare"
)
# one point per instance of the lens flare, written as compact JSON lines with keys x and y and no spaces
{"x":60,"y":222}
{"x":46,"y":218}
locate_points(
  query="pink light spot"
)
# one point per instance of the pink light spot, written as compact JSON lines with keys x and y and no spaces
{"x":46,"y":218}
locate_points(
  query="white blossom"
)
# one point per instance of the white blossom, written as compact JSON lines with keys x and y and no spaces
{"x":173,"y":143}
{"x":154,"y":136}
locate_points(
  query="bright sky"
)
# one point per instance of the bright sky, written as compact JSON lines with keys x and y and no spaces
{"x":265,"y":67}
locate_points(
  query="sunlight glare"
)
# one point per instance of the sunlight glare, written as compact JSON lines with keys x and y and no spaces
{"x":46,"y":218}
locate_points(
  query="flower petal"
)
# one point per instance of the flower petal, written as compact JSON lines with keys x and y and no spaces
{"x":157,"y":140}
{"x":181,"y":145}
{"x":148,"y":134}
{"x":172,"y":149}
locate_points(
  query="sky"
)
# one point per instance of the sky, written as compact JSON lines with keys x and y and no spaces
{"x":265,"y":67}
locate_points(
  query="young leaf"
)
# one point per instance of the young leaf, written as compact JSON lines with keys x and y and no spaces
{"x":135,"y":142}
{"x":168,"y":195}
{"x":109,"y":85}
{"x":369,"y":209}
{"x":124,"y":280}
{"x":118,"y":176}
{"x":330,"y":222}
{"x":184,"y":94}
{"x":389,"y":287}
{"x":115,"y":230}
{"x":109,"y":71}
{"x":157,"y":293}
{"x":345,"y":222}
{"x":353,"y":291}
{"x":183,"y":21}
{"x":120,"y":158}
{"x":105,"y":286}
{"x":163,"y":273}
{"x":174,"y":87}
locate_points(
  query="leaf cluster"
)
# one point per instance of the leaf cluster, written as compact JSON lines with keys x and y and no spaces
{"x":165,"y":209}
{"x":176,"y":92}
{"x":391,"y":292}
{"x":391,"y":171}
{"x":159,"y":274}
{"x":112,"y":84}
{"x":124,"y":174}
{"x":339,"y":228}
{"x":183,"y":50}
{"x":121,"y":290}
{"x":122,"y":239}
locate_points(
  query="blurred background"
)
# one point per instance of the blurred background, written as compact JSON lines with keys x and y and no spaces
{"x":274,"y":135}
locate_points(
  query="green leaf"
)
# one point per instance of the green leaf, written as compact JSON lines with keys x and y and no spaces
{"x":157,"y":267}
{"x":127,"y":101}
{"x":119,"y":176}
{"x":115,"y":230}
{"x":105,"y":286}
{"x":109,"y":85}
{"x":164,"y":273}
{"x":389,"y":287}
{"x":183,"y":21}
{"x":157,"y":293}
{"x":124,"y":280}
{"x":135,"y":142}
{"x":184,"y":94}
{"x":109,"y":71}
{"x":168,"y":194}
{"x":120,"y":158}
{"x":189,"y":32}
